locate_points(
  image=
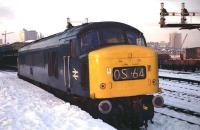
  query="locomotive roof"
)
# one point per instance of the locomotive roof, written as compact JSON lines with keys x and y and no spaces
{"x":55,"y":39}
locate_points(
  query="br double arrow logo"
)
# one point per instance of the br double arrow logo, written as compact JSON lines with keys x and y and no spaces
{"x":75,"y":74}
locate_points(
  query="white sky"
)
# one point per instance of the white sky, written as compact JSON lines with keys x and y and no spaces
{"x":49,"y":16}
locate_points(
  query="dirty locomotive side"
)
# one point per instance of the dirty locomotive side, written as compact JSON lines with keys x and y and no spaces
{"x":104,"y":67}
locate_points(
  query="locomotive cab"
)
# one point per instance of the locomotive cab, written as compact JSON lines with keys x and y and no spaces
{"x":116,"y":63}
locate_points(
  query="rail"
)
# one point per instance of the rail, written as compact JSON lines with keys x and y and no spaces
{"x":190,"y":122}
{"x":181,"y":79}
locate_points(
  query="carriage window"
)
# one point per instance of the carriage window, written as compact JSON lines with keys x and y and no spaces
{"x":89,"y":41}
{"x":113,"y":36}
{"x":53,"y":64}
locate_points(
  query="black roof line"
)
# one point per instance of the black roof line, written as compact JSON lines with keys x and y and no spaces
{"x":76,"y":30}
{"x":85,"y":25}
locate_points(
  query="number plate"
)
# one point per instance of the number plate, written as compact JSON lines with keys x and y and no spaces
{"x":129,"y":73}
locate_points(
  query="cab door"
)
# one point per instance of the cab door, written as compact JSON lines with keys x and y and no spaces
{"x":72,"y":66}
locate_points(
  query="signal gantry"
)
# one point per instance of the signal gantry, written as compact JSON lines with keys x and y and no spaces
{"x":183,"y":24}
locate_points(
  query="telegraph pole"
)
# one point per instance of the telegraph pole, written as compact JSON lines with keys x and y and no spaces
{"x":5,"y":34}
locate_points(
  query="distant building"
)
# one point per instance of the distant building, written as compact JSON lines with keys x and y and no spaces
{"x":40,"y":36}
{"x":163,"y":44}
{"x":26,"y":35}
{"x":1,"y":41}
{"x":175,"y":40}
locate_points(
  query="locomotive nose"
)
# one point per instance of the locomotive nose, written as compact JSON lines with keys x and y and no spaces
{"x":157,"y":101}
{"x":121,"y":71}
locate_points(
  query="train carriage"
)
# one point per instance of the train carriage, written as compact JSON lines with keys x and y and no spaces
{"x":104,"y":64}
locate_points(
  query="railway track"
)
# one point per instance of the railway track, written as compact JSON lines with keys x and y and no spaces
{"x":180,"y":114}
{"x":183,"y":93}
{"x":190,"y":122}
{"x":178,"y":90}
{"x":181,"y":79}
{"x":188,"y":112}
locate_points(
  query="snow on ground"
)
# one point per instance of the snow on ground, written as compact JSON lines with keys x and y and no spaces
{"x":178,"y":115}
{"x":181,"y":102}
{"x":181,"y":95}
{"x":180,"y":74}
{"x":183,"y":87}
{"x":24,"y":106}
{"x":162,"y":122}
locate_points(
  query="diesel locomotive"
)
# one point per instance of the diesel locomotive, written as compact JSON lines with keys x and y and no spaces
{"x":105,"y":66}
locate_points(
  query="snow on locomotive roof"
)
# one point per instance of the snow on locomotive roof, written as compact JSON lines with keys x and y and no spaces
{"x":55,"y":39}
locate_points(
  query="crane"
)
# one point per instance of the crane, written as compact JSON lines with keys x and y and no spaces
{"x":5,"y":35}
{"x":181,"y":52}
{"x":183,"y":24}
{"x":184,"y":40}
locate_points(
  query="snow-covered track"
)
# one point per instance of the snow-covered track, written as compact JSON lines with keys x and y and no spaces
{"x":181,"y":79}
{"x":178,"y":72}
{"x":181,"y":96}
{"x":182,"y":93}
{"x":182,"y":110}
{"x":179,"y":116}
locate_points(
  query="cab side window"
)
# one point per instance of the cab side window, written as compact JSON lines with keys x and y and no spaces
{"x":135,"y":38}
{"x":89,"y":41}
{"x":140,"y":41}
{"x":131,"y":37}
